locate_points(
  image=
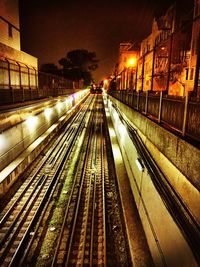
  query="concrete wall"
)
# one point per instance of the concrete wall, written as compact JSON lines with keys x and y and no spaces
{"x":13,"y":41}
{"x":27,"y":124}
{"x":9,"y":11}
{"x":20,"y":56}
{"x":166,"y":242}
{"x":10,"y":44}
{"x":181,"y":154}
{"x":27,"y":133}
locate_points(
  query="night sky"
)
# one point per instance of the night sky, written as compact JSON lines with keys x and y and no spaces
{"x":50,"y":29}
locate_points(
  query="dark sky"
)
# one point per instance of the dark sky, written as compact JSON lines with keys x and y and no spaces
{"x":50,"y":29}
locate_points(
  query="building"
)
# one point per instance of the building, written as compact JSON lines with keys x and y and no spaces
{"x":126,"y":67}
{"x":146,"y":60}
{"x":164,"y":57}
{"x":18,"y":70}
{"x":169,"y":58}
{"x":193,"y":73}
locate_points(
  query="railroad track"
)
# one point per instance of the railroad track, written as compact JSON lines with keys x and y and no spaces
{"x":82,"y":238}
{"x":18,"y":219}
{"x":67,"y":211}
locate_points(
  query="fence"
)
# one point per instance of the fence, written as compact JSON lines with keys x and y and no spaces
{"x":19,"y":82}
{"x":181,"y":114}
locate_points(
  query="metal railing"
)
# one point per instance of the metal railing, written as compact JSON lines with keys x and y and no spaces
{"x":20,"y":82}
{"x":182,"y":114}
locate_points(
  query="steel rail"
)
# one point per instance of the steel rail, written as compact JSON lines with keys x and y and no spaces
{"x":103,"y":192}
{"x":39,"y":168}
{"x":39,"y":188}
{"x":94,"y":163}
{"x":75,"y":181}
{"x":19,"y":254}
{"x":19,"y":225}
{"x":89,"y":196}
{"x":83,"y":172}
{"x":18,"y":218}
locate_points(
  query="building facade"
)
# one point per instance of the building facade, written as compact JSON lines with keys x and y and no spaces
{"x":169,"y":58}
{"x":18,"y":70}
{"x":126,"y":69}
{"x":193,"y":71}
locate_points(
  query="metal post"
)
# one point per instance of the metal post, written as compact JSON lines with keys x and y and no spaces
{"x":132,"y":101}
{"x":138,"y":99}
{"x":9,"y":82}
{"x":185,"y":114}
{"x":169,"y":62}
{"x":29,"y":82}
{"x":153,"y":64}
{"x":143,"y":72}
{"x":197,"y":68}
{"x":146,"y":103}
{"x":20,"y":81}
{"x":160,"y":107}
{"x":36,"y":85}
{"x":170,"y":48}
{"x":136,"y":73}
{"x":126,"y":79}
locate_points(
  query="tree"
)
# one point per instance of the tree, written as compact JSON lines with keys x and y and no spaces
{"x":78,"y":64}
{"x":49,"y":68}
{"x":83,"y":59}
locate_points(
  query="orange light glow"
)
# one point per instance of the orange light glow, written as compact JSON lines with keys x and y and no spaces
{"x":132,"y":62}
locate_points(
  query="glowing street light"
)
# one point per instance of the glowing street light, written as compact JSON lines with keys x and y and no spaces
{"x":130,"y":71}
{"x":131,"y":62}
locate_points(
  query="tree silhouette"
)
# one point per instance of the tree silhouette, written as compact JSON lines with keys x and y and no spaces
{"x":78,"y":64}
{"x":50,"y":68}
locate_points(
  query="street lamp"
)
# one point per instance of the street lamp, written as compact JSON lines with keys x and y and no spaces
{"x":131,"y":65}
{"x":131,"y":62}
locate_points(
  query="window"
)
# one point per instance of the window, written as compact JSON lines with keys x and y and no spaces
{"x":10,"y":32}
